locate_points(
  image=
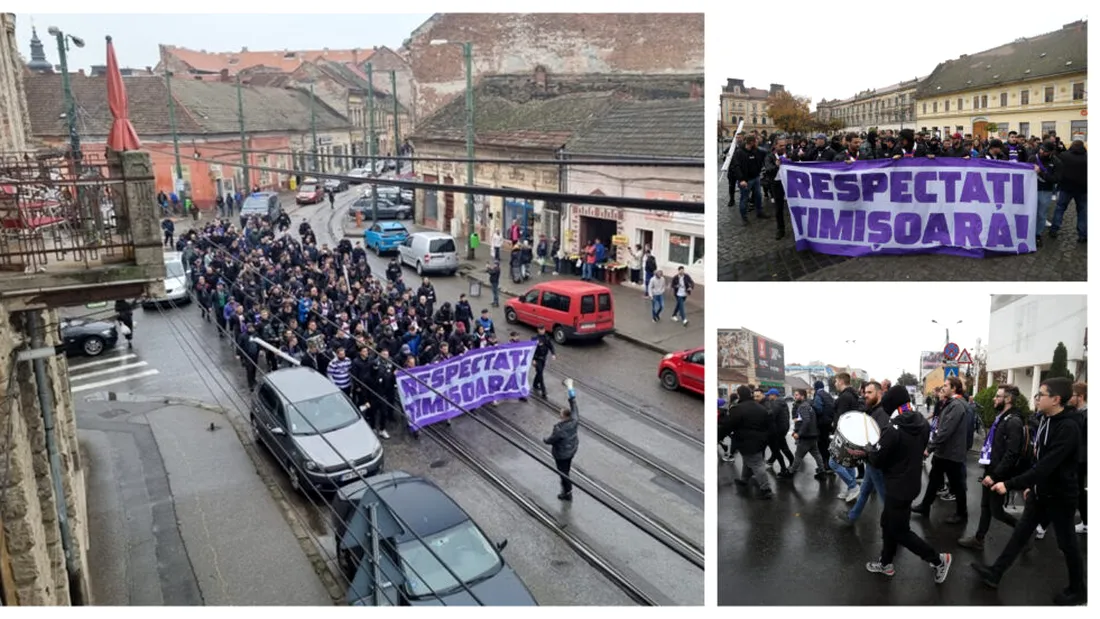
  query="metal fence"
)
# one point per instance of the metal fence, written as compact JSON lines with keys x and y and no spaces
{"x":54,"y":211}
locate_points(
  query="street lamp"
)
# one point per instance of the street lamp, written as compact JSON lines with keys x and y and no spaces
{"x":63,"y":41}
{"x":467,"y":56}
{"x":946,"y":331}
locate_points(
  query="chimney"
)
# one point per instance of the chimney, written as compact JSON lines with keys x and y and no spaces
{"x":695,"y":90}
{"x":244,"y":50}
{"x":776,"y":88}
{"x":148,"y":69}
{"x":733,"y":84}
{"x":82,"y":72}
{"x":355,"y":56}
{"x":223,"y":75}
{"x":540,"y":77}
{"x":99,"y":70}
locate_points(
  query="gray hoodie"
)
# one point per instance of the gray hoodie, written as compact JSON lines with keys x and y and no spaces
{"x":949,"y":442}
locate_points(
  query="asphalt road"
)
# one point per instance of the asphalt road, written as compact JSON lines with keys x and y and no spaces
{"x":792,"y":550}
{"x":752,"y":254}
{"x":176,"y":354}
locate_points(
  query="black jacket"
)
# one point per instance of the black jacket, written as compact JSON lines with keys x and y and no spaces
{"x":813,"y":153}
{"x":746,"y":165}
{"x":846,"y":402}
{"x":563,"y":440}
{"x":899,"y":454}
{"x":881,"y":417}
{"x":781,"y":418}
{"x":1008,"y":443}
{"x":1049,"y":176}
{"x":751,"y":426}
{"x":1074,"y":172}
{"x":1054,"y":476}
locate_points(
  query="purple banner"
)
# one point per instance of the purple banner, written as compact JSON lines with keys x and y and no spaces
{"x":960,"y":207}
{"x":470,"y":380}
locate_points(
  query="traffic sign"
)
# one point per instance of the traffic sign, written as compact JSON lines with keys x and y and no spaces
{"x":951,"y":351}
{"x":951,"y":370}
{"x":964,"y":358}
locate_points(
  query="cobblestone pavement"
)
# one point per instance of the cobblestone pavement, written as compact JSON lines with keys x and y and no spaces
{"x":752,"y":254}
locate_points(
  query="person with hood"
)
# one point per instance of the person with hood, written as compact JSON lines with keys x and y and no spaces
{"x":948,"y":449}
{"x":899,"y":454}
{"x":1050,"y":490}
{"x":805,"y":436}
{"x":563,"y":441}
{"x":1047,"y":167}
{"x":781,"y":423}
{"x":825,"y":408}
{"x":750,"y":425}
{"x":1072,"y":186}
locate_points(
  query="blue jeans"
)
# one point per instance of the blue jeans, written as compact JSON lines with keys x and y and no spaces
{"x":680,"y":311}
{"x":496,"y":294}
{"x":754,"y":189}
{"x":848,"y":475}
{"x":877,"y":485}
{"x":1042,"y":210}
{"x":658,"y":306}
{"x":1078,"y":198}
{"x":586,"y":271}
{"x":648,"y":276}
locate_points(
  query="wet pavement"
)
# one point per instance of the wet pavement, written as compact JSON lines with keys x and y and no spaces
{"x":792,"y":550}
{"x":751,"y":253}
{"x":625,"y":399}
{"x":178,"y":516}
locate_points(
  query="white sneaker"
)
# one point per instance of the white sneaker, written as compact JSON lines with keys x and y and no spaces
{"x":568,"y":382}
{"x":943,"y":568}
{"x":1082,"y":528}
{"x":384,"y":434}
{"x":843,"y":496}
{"x":1040,"y":532}
{"x":675,"y":318}
{"x":852,"y":495}
{"x":685,"y":322}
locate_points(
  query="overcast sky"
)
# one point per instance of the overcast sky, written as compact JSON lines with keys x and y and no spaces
{"x":136,"y":36}
{"x":833,"y":50}
{"x":889,"y":332}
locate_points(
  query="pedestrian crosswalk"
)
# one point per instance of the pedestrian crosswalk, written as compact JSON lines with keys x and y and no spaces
{"x":117,"y":367}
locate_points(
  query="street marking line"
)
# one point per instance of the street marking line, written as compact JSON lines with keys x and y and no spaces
{"x":108,"y":371}
{"x":89,"y":364}
{"x":104,"y":383}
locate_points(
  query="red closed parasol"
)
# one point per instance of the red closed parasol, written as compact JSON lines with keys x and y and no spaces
{"x":123,"y":136}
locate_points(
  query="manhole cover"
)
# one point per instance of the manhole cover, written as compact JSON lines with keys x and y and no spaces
{"x":438,"y":464}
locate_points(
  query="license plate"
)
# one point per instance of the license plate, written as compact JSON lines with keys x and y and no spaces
{"x":589,"y":325}
{"x":349,"y":476}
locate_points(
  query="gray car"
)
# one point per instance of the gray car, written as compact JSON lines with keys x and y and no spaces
{"x":313,"y":430}
{"x":387,"y":209}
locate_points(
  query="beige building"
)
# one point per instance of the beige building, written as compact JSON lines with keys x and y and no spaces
{"x":891,"y":107}
{"x":742,"y":103}
{"x":1032,"y":86}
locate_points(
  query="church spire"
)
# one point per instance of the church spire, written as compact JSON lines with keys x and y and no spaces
{"x":38,"y":62}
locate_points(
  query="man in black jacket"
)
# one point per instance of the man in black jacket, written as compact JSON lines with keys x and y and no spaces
{"x":744,"y":174}
{"x":563,"y":441}
{"x":774,"y":185}
{"x":873,"y":481}
{"x":1047,"y":168}
{"x":1002,"y":456}
{"x":948,"y":449}
{"x":899,"y":454}
{"x":544,"y":348}
{"x":1050,"y":490}
{"x":750,"y":425}
{"x":781,"y":423}
{"x":1072,"y":185}
{"x":820,"y":151}
{"x":847,"y":400}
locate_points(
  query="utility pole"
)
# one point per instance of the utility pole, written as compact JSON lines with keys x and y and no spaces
{"x":396,"y":130}
{"x":244,"y":148}
{"x":70,"y":102}
{"x":313,"y":124}
{"x":468,"y":55}
{"x":172,"y":122}
{"x":372,"y":144}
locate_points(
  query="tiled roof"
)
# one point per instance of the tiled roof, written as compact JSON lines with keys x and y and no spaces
{"x":271,"y":80}
{"x":663,"y":128}
{"x":201,"y":107}
{"x":286,"y":61}
{"x":1047,"y":55}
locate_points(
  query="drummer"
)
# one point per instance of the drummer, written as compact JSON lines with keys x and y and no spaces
{"x":872,"y":397}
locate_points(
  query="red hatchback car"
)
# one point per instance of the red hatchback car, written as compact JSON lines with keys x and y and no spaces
{"x":683,"y":369}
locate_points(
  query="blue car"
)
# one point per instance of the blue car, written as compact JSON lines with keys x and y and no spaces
{"x":385,"y":236}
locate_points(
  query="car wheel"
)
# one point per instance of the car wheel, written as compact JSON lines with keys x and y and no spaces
{"x":419,"y":268}
{"x":93,"y":346}
{"x":292,"y":475}
{"x":669,"y":380}
{"x":510,"y":316}
{"x":559,"y":334}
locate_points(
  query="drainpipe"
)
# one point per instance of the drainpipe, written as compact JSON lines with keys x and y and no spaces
{"x":45,"y":400}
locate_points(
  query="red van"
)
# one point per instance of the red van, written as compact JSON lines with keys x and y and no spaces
{"x":569,"y":309}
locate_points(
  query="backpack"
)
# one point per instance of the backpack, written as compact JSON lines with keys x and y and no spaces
{"x":828,"y":408}
{"x":1026,"y":459}
{"x":651,"y":263}
{"x":971,"y":423}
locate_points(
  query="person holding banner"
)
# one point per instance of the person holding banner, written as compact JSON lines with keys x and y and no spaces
{"x":563,"y":441}
{"x":772,"y":162}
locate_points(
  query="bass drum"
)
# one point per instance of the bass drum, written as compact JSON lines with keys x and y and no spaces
{"x":853,"y":431}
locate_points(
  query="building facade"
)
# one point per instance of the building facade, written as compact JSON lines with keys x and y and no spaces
{"x":892,"y":107}
{"x":1032,"y":86}
{"x":748,"y":358}
{"x":1024,"y":330}
{"x":14,"y":128}
{"x":743,"y":103}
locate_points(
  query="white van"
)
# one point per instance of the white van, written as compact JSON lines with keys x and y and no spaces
{"x":177,"y":282}
{"x":430,"y":252}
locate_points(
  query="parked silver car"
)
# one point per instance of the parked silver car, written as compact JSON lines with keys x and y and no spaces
{"x":430,"y":252}
{"x":313,"y":430}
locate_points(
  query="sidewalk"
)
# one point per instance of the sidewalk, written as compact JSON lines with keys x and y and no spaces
{"x":633,"y":314}
{"x":179,"y":516}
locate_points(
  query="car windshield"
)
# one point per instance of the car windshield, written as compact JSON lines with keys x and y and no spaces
{"x":254,"y":204}
{"x":308,"y":188}
{"x":320,"y":415}
{"x":462,"y":548}
{"x":173,"y":269}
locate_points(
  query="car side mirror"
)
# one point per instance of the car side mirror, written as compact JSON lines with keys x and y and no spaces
{"x":277,"y":431}
{"x":501,"y":545}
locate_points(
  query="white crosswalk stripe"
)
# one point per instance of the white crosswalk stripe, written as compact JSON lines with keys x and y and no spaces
{"x":112,"y":369}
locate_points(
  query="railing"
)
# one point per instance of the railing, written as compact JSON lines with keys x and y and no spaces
{"x":55,"y":212}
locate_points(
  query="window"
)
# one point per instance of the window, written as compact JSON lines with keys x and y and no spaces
{"x":588,"y":304}
{"x":754,"y":120}
{"x":923,"y":108}
{"x":430,"y":564}
{"x":1025,"y":129}
{"x":323,"y":414}
{"x":985,"y":101}
{"x":1048,"y":94}
{"x":697,"y":358}
{"x":1078,"y":130}
{"x":958,"y":128}
{"x":935,"y":106}
{"x":1048,"y":127}
{"x":1025,"y":97}
{"x":947,"y":105}
{"x":555,"y":301}
{"x":684,"y":249}
{"x":1079,"y":91}
{"x":441,"y":246}
{"x":977,"y":102}
{"x":531,"y":297}
{"x":763,"y":120}
{"x":605,"y":302}
{"x":960,"y":104}
{"x":1004,"y":99}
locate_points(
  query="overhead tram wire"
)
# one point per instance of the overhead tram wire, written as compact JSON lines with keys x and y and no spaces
{"x":307,"y":492}
{"x":547,"y":196}
{"x":694,"y":555}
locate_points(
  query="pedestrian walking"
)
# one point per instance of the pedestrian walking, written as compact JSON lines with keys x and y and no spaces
{"x":125,"y":310}
{"x":564,"y":441}
{"x":655,"y":290}
{"x":682,"y":286}
{"x":331,"y":200}
{"x":750,"y":426}
{"x":543,"y":349}
{"x":169,"y":228}
{"x":493,"y":269}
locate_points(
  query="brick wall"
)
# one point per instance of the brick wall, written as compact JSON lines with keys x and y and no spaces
{"x":13,"y":102}
{"x":560,"y":42}
{"x":32,"y":549}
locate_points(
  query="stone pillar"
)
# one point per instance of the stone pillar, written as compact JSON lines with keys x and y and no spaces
{"x":1036,"y":372}
{"x":1012,"y":376}
{"x":137,"y":211}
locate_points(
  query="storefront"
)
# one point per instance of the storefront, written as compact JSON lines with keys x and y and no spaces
{"x":520,"y":211}
{"x":588,"y":223}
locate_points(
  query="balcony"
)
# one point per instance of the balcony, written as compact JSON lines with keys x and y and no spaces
{"x":79,"y":233}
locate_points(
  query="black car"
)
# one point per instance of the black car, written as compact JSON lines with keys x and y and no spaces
{"x":424,"y":540}
{"x":90,"y":339}
{"x":336,"y":185}
{"x":387,"y":209}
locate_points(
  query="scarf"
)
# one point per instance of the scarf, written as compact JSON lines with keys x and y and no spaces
{"x":987,"y":448}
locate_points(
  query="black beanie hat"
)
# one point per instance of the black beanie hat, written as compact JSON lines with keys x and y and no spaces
{"x":895,"y":397}
{"x":819,"y":385}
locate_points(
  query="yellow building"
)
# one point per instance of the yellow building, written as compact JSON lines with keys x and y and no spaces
{"x":748,"y":104}
{"x":1032,"y":86}
{"x":891,"y":107}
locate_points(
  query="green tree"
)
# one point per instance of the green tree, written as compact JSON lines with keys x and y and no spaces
{"x":984,"y":400}
{"x":1059,"y":367}
{"x":907,"y":380}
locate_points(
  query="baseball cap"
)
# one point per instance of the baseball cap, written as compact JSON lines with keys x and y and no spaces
{"x":772,"y":392}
